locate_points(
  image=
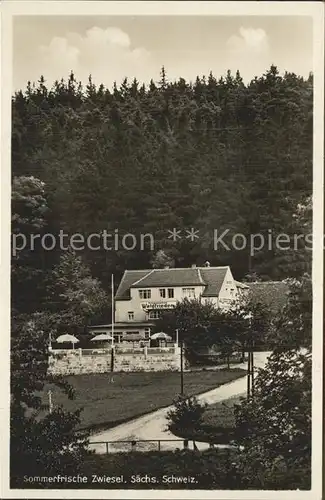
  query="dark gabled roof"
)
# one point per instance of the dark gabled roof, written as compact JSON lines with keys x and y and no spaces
{"x":128,"y":278}
{"x":272,"y":293}
{"x":170,"y":277}
{"x":214,"y":277}
{"x":210,"y":277}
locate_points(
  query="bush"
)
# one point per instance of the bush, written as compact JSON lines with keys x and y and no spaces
{"x":210,"y":469}
{"x":187,"y":413}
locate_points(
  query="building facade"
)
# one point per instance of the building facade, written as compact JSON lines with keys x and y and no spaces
{"x":143,"y":294}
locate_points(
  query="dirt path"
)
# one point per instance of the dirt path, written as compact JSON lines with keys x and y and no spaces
{"x":153,"y":425}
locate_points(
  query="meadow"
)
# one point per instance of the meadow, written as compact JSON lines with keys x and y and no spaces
{"x":109,"y":399}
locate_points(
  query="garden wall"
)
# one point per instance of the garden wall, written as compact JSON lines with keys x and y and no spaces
{"x":74,"y":362}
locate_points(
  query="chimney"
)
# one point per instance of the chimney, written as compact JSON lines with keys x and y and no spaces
{"x":207,"y":264}
{"x":193,"y":266}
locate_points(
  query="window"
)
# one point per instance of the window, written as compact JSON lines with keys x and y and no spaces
{"x":133,"y":335}
{"x":189,"y":292}
{"x":131,"y":315}
{"x":147,"y":333}
{"x":162,"y":292}
{"x":154,"y":314}
{"x":170,"y":293}
{"x":145,"y":294}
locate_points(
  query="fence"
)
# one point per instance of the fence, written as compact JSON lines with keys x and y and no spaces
{"x":117,"y":349}
{"x":146,"y":445}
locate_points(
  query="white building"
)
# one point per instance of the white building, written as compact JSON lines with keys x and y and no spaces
{"x":143,"y":294}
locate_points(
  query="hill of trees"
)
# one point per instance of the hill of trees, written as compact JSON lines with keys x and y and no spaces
{"x":212,"y":154}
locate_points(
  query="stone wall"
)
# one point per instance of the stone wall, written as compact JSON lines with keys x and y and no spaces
{"x":73,"y":362}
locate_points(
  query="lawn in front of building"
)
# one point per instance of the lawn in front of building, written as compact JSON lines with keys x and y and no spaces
{"x":109,"y":399}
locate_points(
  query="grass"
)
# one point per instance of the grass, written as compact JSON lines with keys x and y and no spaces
{"x":110,"y":399}
{"x":218,"y":423}
{"x":221,"y":414}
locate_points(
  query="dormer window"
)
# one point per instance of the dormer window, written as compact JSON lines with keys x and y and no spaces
{"x":145,"y":294}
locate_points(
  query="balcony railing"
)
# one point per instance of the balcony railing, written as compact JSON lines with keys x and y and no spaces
{"x":117,"y":348}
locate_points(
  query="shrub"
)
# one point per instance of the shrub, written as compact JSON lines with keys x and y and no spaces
{"x":187,"y":412}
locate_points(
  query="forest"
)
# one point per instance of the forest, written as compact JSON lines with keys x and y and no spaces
{"x":214,"y":153}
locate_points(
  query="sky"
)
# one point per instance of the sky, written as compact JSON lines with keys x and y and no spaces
{"x":111,"y":48}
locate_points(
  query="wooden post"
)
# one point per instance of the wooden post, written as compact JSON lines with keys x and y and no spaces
{"x":250,"y":359}
{"x":248,"y":373}
{"x":50,"y":401}
{"x":113,"y":308}
{"x":252,"y":369}
{"x":158,"y":444}
{"x":106,"y":448}
{"x":182,"y":370}
{"x":112,"y":358}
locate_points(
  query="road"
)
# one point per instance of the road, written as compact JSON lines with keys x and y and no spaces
{"x":153,"y":425}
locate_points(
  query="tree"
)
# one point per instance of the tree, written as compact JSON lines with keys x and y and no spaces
{"x":202,"y":326}
{"x":200,"y":155}
{"x":229,"y":335}
{"x":73,"y":296}
{"x":293,"y":326}
{"x":29,"y":218}
{"x":297,"y":260}
{"x":252,"y":320}
{"x":193,"y":320}
{"x":187,"y":413}
{"x":162,"y":259}
{"x":274,"y":427}
{"x":41,"y":443}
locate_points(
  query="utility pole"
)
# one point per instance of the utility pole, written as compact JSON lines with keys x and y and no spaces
{"x":252,"y":367}
{"x":182,"y":369}
{"x":248,"y":373}
{"x":113,"y":308}
{"x":49,"y":393}
{"x":250,"y":361}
